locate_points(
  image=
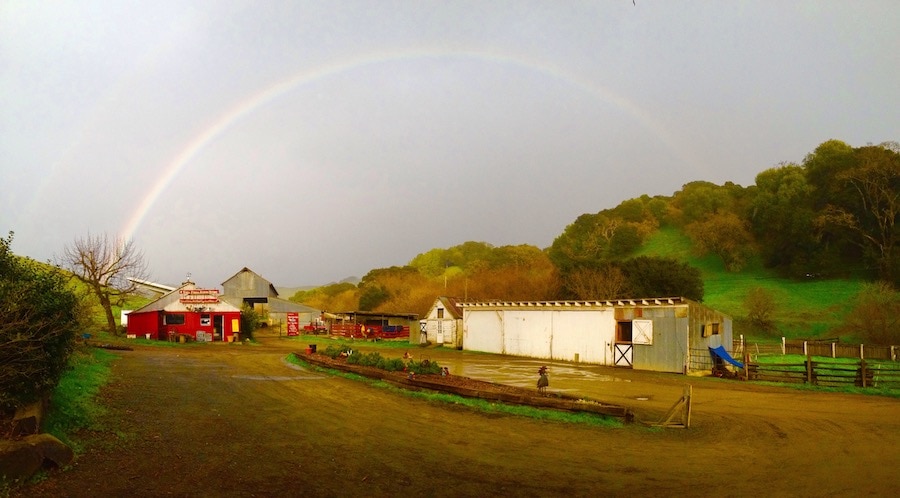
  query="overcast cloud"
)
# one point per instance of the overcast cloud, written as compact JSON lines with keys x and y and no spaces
{"x":311,"y":141}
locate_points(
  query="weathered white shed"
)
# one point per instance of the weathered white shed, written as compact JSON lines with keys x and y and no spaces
{"x":656,"y":334}
{"x":443,"y":323}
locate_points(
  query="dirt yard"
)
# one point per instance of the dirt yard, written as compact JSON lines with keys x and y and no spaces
{"x":233,"y":420}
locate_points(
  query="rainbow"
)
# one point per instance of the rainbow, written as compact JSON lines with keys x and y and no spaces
{"x":233,"y":115}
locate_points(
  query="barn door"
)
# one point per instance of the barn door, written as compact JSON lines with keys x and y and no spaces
{"x":218,"y":327}
{"x":623,"y":354}
{"x":622,"y":349}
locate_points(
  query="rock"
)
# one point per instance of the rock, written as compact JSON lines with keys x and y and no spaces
{"x":20,"y":459}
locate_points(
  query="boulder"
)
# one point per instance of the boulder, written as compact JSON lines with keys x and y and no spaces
{"x":21,"y":458}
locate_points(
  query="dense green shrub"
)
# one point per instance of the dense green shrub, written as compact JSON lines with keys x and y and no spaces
{"x":250,"y":319}
{"x":423,"y":367}
{"x":374,"y":359}
{"x":333,"y":350}
{"x":391,"y":364}
{"x":39,"y":319}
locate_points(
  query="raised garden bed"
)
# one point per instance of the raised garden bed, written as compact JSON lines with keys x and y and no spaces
{"x":473,"y":388}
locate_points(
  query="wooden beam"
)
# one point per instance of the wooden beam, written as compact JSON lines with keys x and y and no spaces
{"x":681,"y":407}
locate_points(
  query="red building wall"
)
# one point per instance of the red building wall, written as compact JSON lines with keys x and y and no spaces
{"x":161,"y":325}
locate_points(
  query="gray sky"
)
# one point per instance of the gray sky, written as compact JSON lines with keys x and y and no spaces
{"x":311,"y":141}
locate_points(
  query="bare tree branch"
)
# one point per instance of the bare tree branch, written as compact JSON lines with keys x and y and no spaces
{"x":104,"y":265}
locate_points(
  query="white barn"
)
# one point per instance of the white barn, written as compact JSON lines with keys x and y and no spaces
{"x":656,"y":334}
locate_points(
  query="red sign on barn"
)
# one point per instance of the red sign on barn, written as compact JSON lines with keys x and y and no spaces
{"x":293,"y":324}
{"x":199,"y":296}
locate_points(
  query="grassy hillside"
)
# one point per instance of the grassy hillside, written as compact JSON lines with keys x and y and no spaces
{"x":809,"y":308}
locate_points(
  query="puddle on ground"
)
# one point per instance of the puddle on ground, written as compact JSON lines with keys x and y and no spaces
{"x":523,"y":372}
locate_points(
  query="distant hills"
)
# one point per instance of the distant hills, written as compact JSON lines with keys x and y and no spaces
{"x":286,"y":292}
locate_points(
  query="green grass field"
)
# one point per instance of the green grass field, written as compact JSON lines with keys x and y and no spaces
{"x":807,"y":308}
{"x":74,"y":402}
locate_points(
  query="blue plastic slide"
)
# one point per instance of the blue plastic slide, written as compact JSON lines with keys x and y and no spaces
{"x":721,"y":353}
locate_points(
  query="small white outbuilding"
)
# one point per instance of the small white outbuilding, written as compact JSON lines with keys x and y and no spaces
{"x":443,"y":323}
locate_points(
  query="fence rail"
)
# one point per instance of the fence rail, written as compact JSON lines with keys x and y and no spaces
{"x":828,"y":348}
{"x":860,"y":374}
{"x":819,"y":372}
{"x":356,"y":331}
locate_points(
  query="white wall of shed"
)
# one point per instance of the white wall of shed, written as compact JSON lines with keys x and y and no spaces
{"x":483,"y":331}
{"x":549,"y":334}
{"x":589,"y":334}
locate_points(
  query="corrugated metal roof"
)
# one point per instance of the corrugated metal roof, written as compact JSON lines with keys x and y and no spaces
{"x":607,"y":303}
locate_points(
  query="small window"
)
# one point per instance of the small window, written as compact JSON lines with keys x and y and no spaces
{"x":174,"y":319}
{"x":709,"y":329}
{"x":623,"y":332}
{"x":204,"y":320}
{"x":440,"y":312}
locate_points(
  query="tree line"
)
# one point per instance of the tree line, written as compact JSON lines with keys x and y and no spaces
{"x":831,"y":215}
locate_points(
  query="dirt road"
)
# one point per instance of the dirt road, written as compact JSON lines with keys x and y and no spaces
{"x":231,"y":420}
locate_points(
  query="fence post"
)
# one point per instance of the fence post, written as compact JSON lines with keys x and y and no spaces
{"x":861,"y":355}
{"x":893,"y":354}
{"x":782,"y":346}
{"x":746,"y":364}
{"x":862,"y":371}
{"x":809,"y":367}
{"x":805,"y":350}
{"x":833,"y":350}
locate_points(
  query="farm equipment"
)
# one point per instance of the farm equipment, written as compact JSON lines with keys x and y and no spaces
{"x":315,"y":328}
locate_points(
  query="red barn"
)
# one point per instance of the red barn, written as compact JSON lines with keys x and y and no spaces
{"x":196,"y":314}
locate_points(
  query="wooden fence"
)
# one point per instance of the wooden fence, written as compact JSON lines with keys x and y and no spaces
{"x":822,"y":372}
{"x":830,"y":374}
{"x":356,"y":331}
{"x":827,"y":348}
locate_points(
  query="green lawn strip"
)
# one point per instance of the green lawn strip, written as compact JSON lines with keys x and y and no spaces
{"x":73,"y":404}
{"x":479,"y":405}
{"x":306,"y":340}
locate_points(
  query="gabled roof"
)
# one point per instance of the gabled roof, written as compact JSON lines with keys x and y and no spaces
{"x":451,"y":304}
{"x":165,"y":299}
{"x":172,"y":302}
{"x":272,"y":292}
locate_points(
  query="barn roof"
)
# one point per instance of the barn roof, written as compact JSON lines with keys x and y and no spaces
{"x":248,"y":283}
{"x":350,"y":315}
{"x":276,"y":305}
{"x":176,"y":301}
{"x":653,"y":301}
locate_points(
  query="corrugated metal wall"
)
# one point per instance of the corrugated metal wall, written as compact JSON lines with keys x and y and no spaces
{"x":669,"y":349}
